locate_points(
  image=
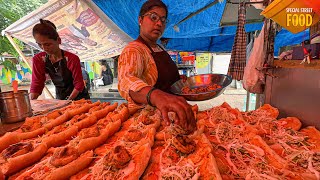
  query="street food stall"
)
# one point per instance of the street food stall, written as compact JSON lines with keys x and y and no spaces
{"x":86,"y":140}
{"x":294,"y":85}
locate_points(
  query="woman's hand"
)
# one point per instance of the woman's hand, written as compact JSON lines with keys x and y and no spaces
{"x":34,"y":96}
{"x":170,"y":103}
{"x":183,"y":77}
{"x":73,"y":94}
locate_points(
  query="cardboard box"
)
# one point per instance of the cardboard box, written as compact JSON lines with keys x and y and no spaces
{"x":298,"y":54}
{"x":315,"y":29}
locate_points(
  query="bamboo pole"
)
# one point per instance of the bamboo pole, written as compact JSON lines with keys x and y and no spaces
{"x":25,"y":60}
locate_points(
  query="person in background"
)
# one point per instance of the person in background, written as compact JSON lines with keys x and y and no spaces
{"x":115,"y":65}
{"x":86,"y":78}
{"x":146,"y":71}
{"x":106,"y":74}
{"x":62,"y":66}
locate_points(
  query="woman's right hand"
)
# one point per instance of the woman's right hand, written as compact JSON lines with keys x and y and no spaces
{"x":170,"y":103}
{"x":34,"y":96}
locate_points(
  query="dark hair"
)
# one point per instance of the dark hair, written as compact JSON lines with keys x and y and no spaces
{"x":46,"y":28}
{"x":148,"y":5}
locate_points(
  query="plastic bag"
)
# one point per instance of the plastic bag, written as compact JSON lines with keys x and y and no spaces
{"x":253,"y":79}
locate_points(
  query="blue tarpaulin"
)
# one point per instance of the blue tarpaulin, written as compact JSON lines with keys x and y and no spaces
{"x":202,"y":32}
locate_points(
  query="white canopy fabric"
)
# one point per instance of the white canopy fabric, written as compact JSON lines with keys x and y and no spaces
{"x":84,"y":29}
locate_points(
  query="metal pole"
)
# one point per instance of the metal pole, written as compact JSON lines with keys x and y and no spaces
{"x":259,"y":100}
{"x":211,"y":61}
{"x":31,"y":49}
{"x":25,"y":59}
{"x":248,"y":101}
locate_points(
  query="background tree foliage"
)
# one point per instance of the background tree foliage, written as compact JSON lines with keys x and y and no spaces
{"x":10,"y":12}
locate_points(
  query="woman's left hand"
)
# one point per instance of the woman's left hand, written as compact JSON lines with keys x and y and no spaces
{"x":170,"y":103}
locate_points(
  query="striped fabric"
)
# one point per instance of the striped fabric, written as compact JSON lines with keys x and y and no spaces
{"x":238,"y":55}
{"x":136,"y":70}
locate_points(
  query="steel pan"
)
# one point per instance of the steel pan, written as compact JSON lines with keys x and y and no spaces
{"x":199,"y":81}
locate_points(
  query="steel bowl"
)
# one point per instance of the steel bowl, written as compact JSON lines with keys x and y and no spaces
{"x":14,"y":107}
{"x":199,"y":81}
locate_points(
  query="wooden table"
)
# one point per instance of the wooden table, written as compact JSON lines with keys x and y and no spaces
{"x":39,"y":107}
{"x":9,"y":127}
{"x":314,"y":64}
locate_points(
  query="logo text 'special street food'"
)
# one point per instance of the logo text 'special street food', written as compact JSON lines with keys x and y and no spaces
{"x":187,"y":90}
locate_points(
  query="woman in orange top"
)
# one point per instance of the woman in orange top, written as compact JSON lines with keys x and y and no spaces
{"x":146,"y":70}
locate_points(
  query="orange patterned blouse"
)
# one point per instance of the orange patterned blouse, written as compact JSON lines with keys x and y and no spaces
{"x":136,"y":70}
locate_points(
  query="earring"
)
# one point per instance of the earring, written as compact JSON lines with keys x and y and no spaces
{"x":140,"y":24}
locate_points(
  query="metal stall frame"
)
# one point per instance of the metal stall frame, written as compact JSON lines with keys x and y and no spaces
{"x":295,"y":90}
